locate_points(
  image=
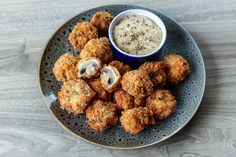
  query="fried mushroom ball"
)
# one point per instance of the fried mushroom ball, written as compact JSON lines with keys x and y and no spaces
{"x":75,"y":96}
{"x":96,"y":86}
{"x":137,"y":119}
{"x":156,"y":72}
{"x":122,"y":68}
{"x":177,"y":68}
{"x":98,"y":48}
{"x":101,"y":115}
{"x":125,"y":101}
{"x":107,"y":90}
{"x":64,"y":68}
{"x":88,"y":68}
{"x":101,"y":20}
{"x":110,"y":78}
{"x":137,"y":83}
{"x":81,"y":34}
{"x":162,"y":103}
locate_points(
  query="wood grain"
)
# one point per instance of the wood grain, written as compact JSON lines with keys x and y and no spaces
{"x":27,"y":128}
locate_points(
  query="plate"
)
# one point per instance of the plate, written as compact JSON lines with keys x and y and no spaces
{"x":189,"y":93}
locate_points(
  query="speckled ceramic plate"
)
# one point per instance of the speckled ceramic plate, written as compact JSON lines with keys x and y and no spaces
{"x":189,"y":93}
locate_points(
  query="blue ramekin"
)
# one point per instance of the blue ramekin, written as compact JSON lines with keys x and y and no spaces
{"x":132,"y":59}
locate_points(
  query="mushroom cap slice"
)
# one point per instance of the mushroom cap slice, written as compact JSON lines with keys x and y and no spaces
{"x":110,"y":78}
{"x":88,"y":68}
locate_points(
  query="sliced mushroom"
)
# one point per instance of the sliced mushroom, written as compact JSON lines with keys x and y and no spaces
{"x":88,"y":68}
{"x":110,"y":78}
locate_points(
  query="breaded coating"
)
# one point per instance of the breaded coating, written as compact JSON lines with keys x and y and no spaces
{"x":125,"y":101}
{"x":110,"y":78}
{"x":177,"y":68}
{"x":96,"y":85}
{"x":122,"y":68}
{"x":82,"y":32}
{"x":98,"y":48}
{"x":137,"y":119}
{"x":159,"y":79}
{"x":101,"y":20}
{"x":137,"y":83}
{"x":101,"y":115}
{"x":88,"y":68}
{"x":75,"y":96}
{"x":139,"y":101}
{"x":162,"y":103}
{"x":64,"y":68}
{"x":156,"y":72}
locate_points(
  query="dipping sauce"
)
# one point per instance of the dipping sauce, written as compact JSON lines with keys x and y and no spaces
{"x":137,"y":35}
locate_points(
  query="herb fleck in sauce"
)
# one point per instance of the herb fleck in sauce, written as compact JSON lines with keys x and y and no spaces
{"x":137,"y":35}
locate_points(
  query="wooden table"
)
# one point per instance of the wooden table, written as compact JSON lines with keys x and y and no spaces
{"x":26,"y":127}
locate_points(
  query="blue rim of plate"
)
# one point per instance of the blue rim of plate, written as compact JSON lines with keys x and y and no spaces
{"x":113,"y":147}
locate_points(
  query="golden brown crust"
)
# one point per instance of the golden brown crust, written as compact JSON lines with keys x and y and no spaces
{"x":81,"y":34}
{"x":96,"y":85}
{"x":64,"y":68}
{"x":177,"y":68}
{"x":101,"y":20}
{"x":139,"y":101}
{"x":98,"y":48}
{"x":125,"y":101}
{"x":137,"y":83}
{"x":159,"y":79}
{"x":156,"y":72}
{"x":137,"y":119}
{"x":162,"y":103}
{"x":101,"y":115}
{"x":88,"y":74}
{"x":122,"y":68}
{"x":75,"y":96}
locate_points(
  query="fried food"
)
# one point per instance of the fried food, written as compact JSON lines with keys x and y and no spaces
{"x":139,"y":101}
{"x":137,"y":83}
{"x":110,"y":78}
{"x":98,"y":48}
{"x":101,"y":20}
{"x":137,"y":119}
{"x":122,"y":68}
{"x":101,"y":115}
{"x":88,"y":68}
{"x":125,"y":101}
{"x":64,"y":68}
{"x":159,"y":79}
{"x":178,"y":68}
{"x":108,"y":90}
{"x":81,"y":34}
{"x":75,"y":96}
{"x":96,"y":85}
{"x":156,"y":72}
{"x":162,"y":103}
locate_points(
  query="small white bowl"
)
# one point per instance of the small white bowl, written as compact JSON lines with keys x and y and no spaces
{"x":131,"y":58}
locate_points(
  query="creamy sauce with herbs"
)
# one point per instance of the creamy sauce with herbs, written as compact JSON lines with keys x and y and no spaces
{"x":137,"y":35}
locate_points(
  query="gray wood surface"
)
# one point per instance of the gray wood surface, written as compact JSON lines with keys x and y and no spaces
{"x":26,"y":127}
